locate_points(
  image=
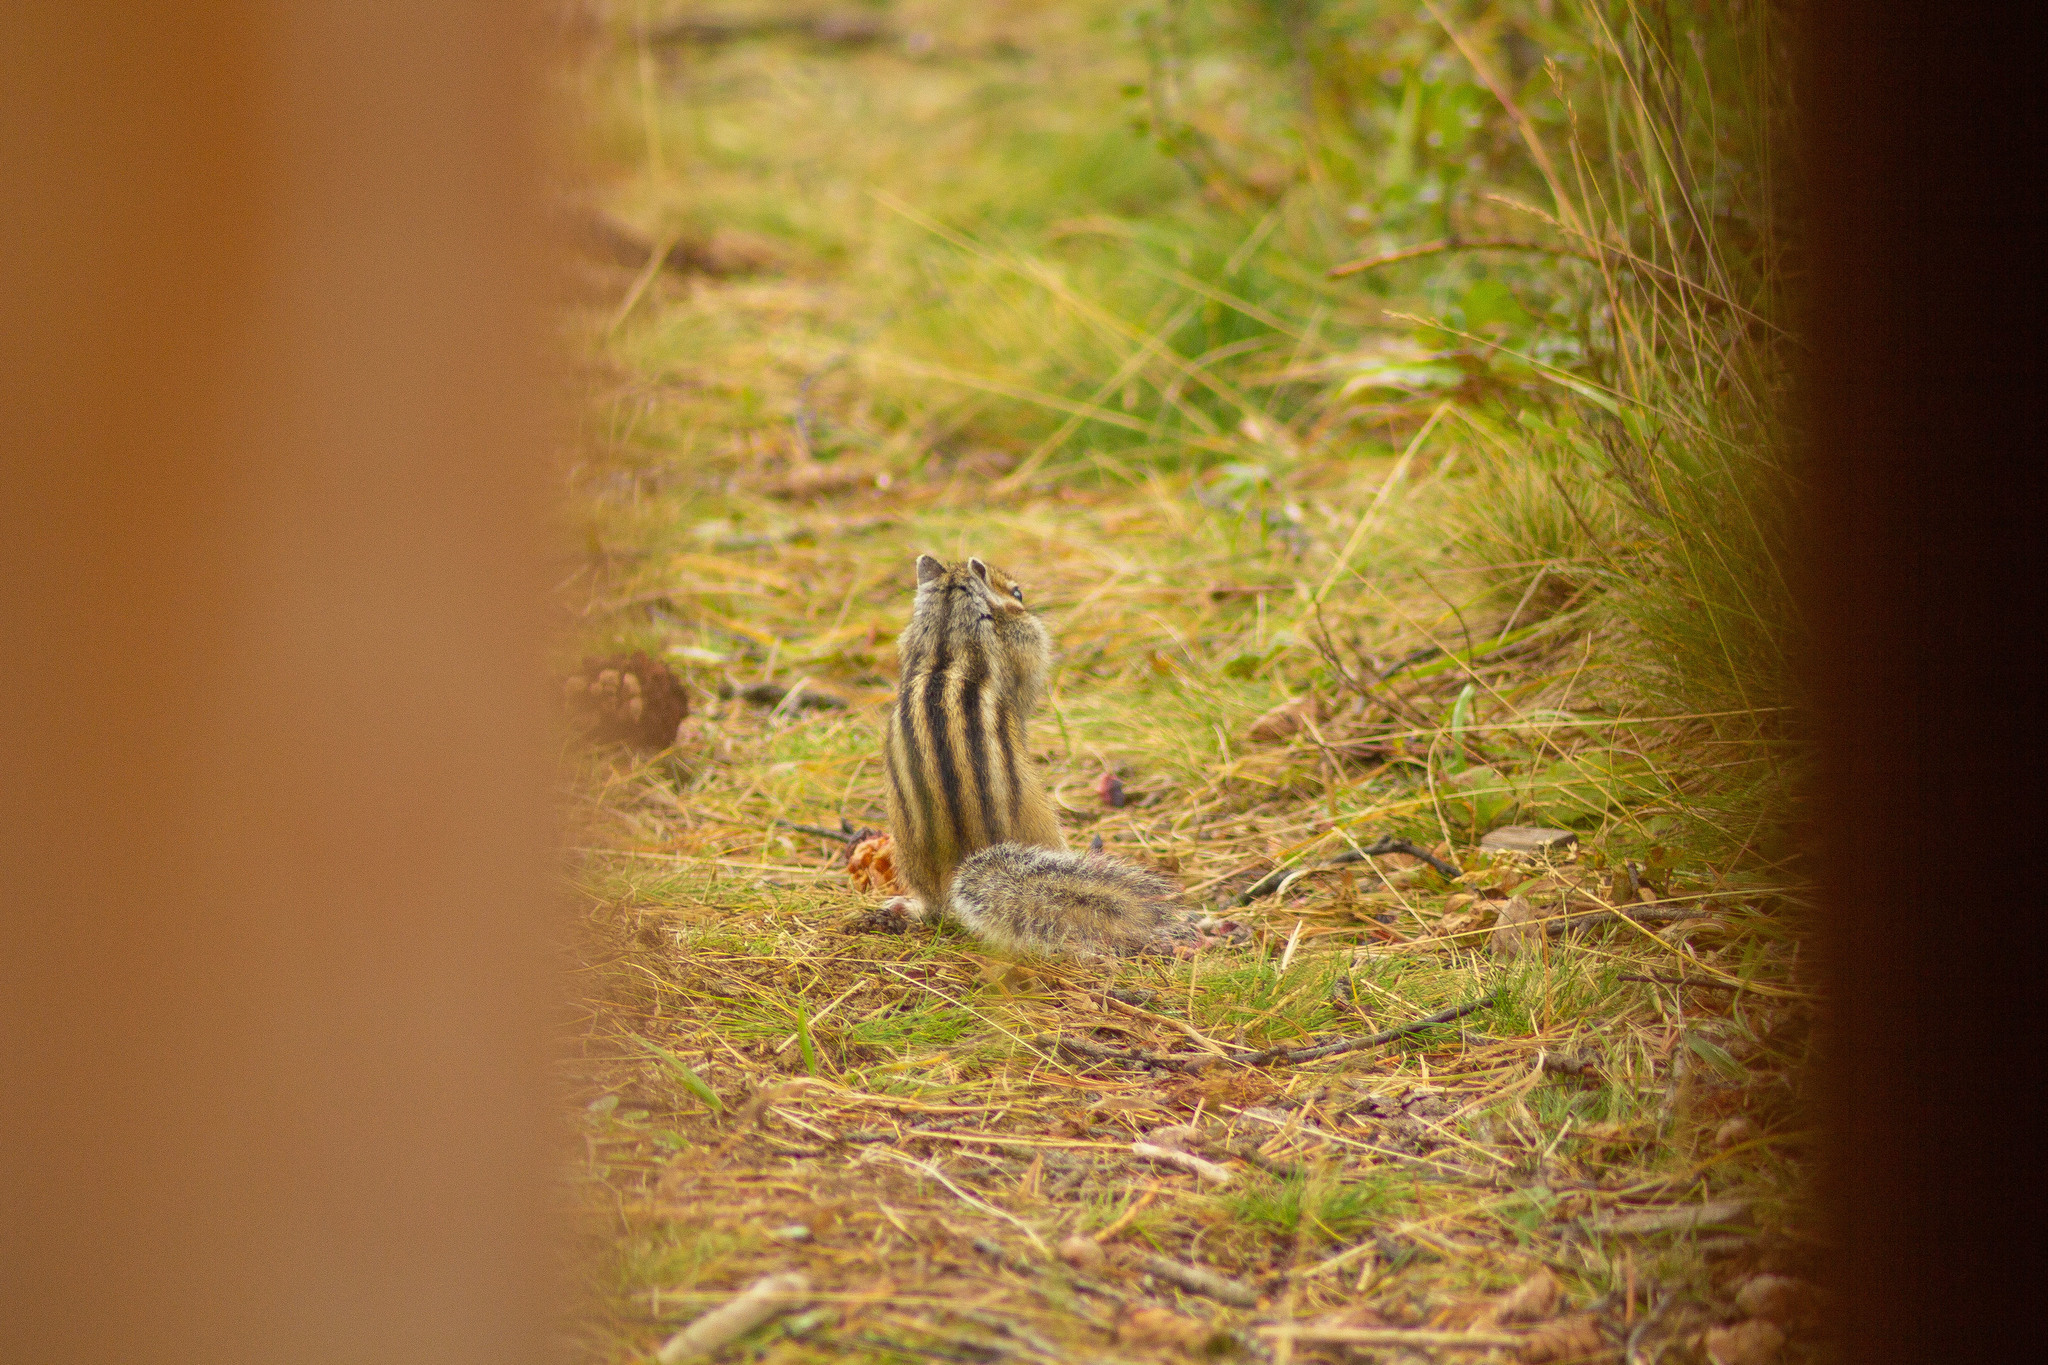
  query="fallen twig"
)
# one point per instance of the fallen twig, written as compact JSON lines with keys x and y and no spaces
{"x":766,"y":1299}
{"x":1081,"y":1047}
{"x":844,"y":836}
{"x":1683,"y":1219}
{"x":1186,"y":1161}
{"x":1207,"y":1283}
{"x":1677,"y":981}
{"x":1269,"y":1057}
{"x":1282,"y":1055}
{"x":1391,"y":1336}
{"x":1272,"y":881}
{"x":1641,"y":914}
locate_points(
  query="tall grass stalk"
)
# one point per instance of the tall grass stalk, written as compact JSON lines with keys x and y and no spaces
{"x":1683,"y":451}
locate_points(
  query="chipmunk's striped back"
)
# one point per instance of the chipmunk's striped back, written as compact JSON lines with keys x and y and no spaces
{"x":975,"y":833}
{"x":960,"y":778}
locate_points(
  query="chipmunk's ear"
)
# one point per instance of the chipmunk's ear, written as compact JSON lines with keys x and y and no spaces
{"x":929,"y":570}
{"x":980,"y":569}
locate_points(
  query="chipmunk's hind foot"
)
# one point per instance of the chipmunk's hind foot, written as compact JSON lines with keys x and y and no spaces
{"x":896,"y":915}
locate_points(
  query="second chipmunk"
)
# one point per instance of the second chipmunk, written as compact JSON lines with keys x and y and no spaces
{"x":975,"y":833}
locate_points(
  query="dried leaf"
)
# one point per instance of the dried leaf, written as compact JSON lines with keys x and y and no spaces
{"x":1235,"y":1090}
{"x":1746,"y":1343}
{"x":1466,"y":921}
{"x":1572,"y":1339}
{"x":1287,"y":719}
{"x":1513,"y":934}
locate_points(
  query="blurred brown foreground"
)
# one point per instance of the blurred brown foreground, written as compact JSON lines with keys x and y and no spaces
{"x":273,"y":990}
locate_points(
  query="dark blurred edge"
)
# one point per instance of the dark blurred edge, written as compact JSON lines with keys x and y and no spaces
{"x":1923,"y":180}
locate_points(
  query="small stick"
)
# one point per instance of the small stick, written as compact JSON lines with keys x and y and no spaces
{"x":1081,"y":1047}
{"x":1166,"y":1156}
{"x":1641,"y":914}
{"x":1391,"y":1336}
{"x":1271,"y":1056}
{"x":766,"y":1299}
{"x":1309,"y":1054}
{"x":1207,"y":1283}
{"x":1271,"y":882}
{"x":1677,"y":981}
{"x":844,"y":836}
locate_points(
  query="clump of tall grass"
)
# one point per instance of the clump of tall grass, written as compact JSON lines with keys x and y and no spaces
{"x":1671,"y":457}
{"x":1617,"y":352}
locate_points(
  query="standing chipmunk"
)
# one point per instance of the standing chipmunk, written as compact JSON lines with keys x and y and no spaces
{"x":974,"y":830}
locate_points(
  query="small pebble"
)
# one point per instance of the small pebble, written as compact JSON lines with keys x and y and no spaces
{"x":1735,"y":1131}
{"x":1082,"y":1253}
{"x":1777,"y":1299}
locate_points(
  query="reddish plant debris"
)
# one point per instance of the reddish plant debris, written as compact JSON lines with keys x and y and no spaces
{"x":871,"y":863}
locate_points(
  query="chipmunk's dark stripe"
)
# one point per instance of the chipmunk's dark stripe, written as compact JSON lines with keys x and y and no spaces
{"x":974,"y":739}
{"x":937,"y":739}
{"x":1005,"y":723}
{"x":899,"y":755}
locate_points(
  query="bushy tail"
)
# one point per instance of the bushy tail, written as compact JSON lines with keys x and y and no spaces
{"x":1050,"y":900}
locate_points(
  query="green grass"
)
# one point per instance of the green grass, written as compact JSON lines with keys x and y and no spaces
{"x":1317,"y":1207}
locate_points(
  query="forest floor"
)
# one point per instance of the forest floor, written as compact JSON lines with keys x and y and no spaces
{"x":1601,"y":1161}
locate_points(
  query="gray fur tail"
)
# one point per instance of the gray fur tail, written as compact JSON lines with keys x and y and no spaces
{"x":1055,"y":900}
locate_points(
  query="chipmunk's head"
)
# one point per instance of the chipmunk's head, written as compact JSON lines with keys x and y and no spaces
{"x":972,"y":605}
